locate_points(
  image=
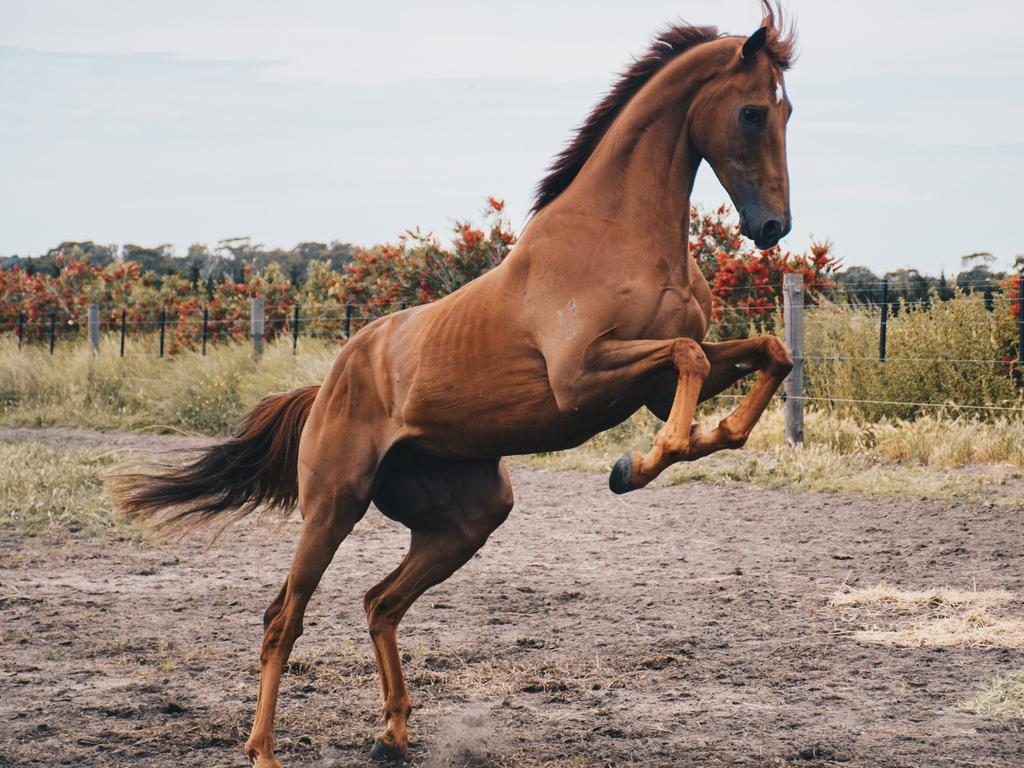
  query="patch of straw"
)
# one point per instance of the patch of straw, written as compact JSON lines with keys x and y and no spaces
{"x":885,"y":596}
{"x":1003,"y":698}
{"x":972,"y":629}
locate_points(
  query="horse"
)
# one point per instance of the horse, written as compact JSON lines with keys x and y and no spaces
{"x":598,"y":310}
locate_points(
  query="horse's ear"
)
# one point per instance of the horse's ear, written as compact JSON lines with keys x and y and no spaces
{"x":755,"y":43}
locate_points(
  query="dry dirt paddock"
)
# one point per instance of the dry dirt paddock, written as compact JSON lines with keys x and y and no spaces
{"x":677,"y":626}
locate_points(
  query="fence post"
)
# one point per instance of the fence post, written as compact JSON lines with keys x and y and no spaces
{"x":21,"y":329}
{"x":206,"y":322}
{"x":1020,"y":320}
{"x":348,"y":321}
{"x":94,"y":327}
{"x":885,"y":321}
{"x":256,"y":326}
{"x":295,"y":329}
{"x":53,"y":330}
{"x":124,"y":328}
{"x":163,"y":324}
{"x":793,"y":320}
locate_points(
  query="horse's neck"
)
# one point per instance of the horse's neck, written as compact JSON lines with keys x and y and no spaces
{"x":641,"y":174}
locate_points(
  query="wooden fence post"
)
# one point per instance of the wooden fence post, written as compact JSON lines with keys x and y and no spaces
{"x":348,"y":321}
{"x":53,"y":330}
{"x":124,"y":328}
{"x":256,"y":326}
{"x":94,"y":327}
{"x":21,"y":330}
{"x":295,"y":329}
{"x":793,"y":319}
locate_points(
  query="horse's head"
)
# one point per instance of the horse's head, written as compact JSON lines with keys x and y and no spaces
{"x":738,"y":125}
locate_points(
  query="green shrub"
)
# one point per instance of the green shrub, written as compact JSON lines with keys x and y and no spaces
{"x":950,"y":352}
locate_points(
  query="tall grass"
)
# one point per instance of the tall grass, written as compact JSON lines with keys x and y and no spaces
{"x":947,"y":352}
{"x":940,"y":456}
{"x":187,"y":392}
{"x":46,"y":490}
{"x":862,"y":447}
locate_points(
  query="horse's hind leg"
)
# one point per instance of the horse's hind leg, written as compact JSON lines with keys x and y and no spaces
{"x":451,"y":509}
{"x":332,"y":500}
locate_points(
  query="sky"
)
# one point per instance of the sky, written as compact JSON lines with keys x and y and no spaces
{"x":195,"y":120}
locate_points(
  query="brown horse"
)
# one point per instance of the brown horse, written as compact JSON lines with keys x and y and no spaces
{"x":598,"y":310}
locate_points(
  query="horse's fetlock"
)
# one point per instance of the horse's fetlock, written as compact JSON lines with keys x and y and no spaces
{"x":732,"y":438}
{"x":401,"y":711}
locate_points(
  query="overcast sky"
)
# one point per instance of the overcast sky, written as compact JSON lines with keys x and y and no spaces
{"x":194,"y":120}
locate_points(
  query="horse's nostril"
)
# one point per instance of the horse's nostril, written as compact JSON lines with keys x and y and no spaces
{"x":771,"y":230}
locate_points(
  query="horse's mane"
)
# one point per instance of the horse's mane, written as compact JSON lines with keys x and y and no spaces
{"x":666,"y":46}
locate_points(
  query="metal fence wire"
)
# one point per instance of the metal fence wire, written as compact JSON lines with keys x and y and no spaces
{"x":200,"y":331}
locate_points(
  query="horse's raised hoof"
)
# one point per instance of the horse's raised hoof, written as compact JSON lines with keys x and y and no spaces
{"x":386,"y":753}
{"x":621,"y":478}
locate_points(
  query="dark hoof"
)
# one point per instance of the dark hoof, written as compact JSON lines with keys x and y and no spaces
{"x":621,"y":478}
{"x":385,"y":753}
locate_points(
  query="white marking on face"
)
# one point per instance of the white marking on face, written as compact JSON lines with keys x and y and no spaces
{"x":779,"y":94}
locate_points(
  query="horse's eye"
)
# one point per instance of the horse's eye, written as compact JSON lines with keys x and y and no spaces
{"x":752,"y":116}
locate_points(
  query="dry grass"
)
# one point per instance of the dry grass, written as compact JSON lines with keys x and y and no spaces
{"x":887,"y":597}
{"x":937,"y":455}
{"x":931,"y":618}
{"x":54,"y":491}
{"x":463,"y":672}
{"x":975,"y":628}
{"x":931,"y":457}
{"x":187,"y":392}
{"x":1003,"y":698}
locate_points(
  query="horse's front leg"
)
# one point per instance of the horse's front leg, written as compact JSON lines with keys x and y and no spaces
{"x":730,"y":361}
{"x":609,"y":368}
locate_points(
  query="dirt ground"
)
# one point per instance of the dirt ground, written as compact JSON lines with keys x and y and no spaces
{"x":676,"y":626}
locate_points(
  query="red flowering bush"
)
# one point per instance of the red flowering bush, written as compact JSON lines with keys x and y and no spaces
{"x":378,"y":280}
{"x":418,"y":269}
{"x":747,"y":283}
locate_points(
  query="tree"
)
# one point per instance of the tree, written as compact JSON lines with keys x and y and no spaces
{"x":862,"y":286}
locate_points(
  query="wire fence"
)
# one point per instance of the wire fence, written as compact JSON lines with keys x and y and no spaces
{"x":198,"y":330}
{"x":162,"y":334}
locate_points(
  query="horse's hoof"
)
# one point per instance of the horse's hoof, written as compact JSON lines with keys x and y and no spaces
{"x":621,"y":478}
{"x":386,"y":753}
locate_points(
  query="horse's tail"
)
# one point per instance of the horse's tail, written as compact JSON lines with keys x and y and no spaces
{"x":258,"y":466}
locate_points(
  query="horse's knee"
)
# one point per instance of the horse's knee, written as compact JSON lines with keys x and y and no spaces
{"x":689,"y":357}
{"x":778,"y":361}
